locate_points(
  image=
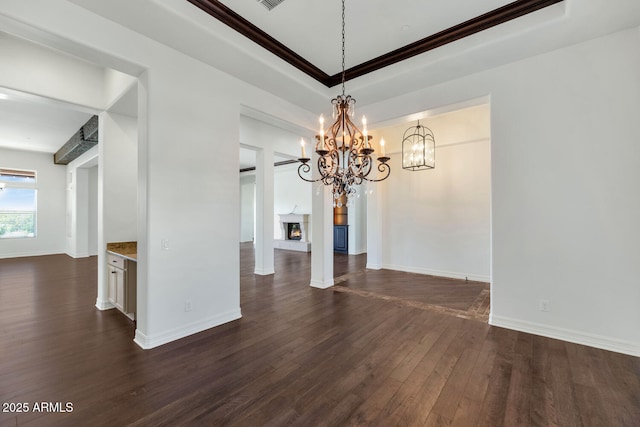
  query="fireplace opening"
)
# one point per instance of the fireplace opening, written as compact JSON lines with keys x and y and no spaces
{"x":293,"y":231}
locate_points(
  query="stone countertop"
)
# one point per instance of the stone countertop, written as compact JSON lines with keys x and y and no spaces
{"x":128,"y":250}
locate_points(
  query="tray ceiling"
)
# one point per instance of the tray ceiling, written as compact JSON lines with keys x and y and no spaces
{"x":307,"y":34}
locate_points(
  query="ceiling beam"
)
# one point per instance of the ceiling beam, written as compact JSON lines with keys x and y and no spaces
{"x":80,"y":142}
{"x":490,"y":19}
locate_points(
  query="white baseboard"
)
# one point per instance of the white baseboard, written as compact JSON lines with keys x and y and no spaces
{"x":321,"y":284}
{"x":28,"y":254}
{"x":359,"y":252}
{"x":103,"y":304}
{"x":264,"y":271}
{"x":440,"y":273}
{"x":371,"y":266}
{"x":79,"y":255}
{"x":577,"y":337}
{"x":155,"y":340}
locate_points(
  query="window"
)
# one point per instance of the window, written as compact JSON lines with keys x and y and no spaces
{"x":18,"y":197}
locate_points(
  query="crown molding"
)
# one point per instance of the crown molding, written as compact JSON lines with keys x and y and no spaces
{"x":465,"y":29}
{"x":227,"y":16}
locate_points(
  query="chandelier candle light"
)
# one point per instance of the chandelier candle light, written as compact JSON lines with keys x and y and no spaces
{"x":344,"y":151}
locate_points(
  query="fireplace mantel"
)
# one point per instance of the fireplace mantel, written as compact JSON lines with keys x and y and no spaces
{"x":303,"y":244}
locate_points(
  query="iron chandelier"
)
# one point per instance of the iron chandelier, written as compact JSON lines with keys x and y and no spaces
{"x":418,"y":148}
{"x":345,"y":151}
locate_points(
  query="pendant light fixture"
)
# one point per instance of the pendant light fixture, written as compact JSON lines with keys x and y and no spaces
{"x":418,"y":148}
{"x":345,"y":152}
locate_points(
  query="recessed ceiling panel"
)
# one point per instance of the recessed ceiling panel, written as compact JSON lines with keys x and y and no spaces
{"x":312,"y":28}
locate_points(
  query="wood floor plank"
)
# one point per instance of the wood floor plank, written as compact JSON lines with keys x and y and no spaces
{"x":369,"y":410}
{"x":404,"y":398}
{"x":518,"y":403}
{"x":467,"y":413}
{"x":493,"y":410}
{"x":544,"y":411}
{"x":452,"y":391}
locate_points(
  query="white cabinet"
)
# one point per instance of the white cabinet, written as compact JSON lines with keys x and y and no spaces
{"x":122,"y":284}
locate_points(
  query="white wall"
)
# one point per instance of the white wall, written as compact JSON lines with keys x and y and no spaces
{"x":192,"y":188}
{"x":119,"y":161}
{"x":259,"y":134}
{"x":247,"y":207}
{"x":116,"y":85}
{"x":437,"y":221}
{"x":565,"y":203}
{"x":51,"y":218}
{"x":40,"y":70}
{"x":565,"y":196}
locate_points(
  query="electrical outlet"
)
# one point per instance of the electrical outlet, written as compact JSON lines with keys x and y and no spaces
{"x":187,"y":305}
{"x":164,"y":245}
{"x":544,"y":305}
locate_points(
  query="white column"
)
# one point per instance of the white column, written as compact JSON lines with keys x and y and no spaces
{"x":322,"y":232}
{"x":358,"y":222}
{"x":374,"y":226}
{"x":142,"y":282}
{"x":264,"y":212}
{"x":102,"y":300}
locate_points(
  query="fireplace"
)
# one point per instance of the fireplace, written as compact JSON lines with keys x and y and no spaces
{"x":293,"y":231}
{"x":295,"y":228}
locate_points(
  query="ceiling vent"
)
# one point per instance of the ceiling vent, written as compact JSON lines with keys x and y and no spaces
{"x":79,"y":143}
{"x":270,"y":4}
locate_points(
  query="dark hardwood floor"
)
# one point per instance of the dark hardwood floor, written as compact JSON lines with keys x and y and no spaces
{"x":361,"y":353}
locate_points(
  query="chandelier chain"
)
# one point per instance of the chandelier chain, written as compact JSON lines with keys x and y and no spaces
{"x":345,"y":155}
{"x":343,"y":50}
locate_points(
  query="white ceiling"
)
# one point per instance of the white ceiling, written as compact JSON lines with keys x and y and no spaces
{"x":35,"y":124}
